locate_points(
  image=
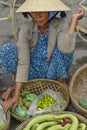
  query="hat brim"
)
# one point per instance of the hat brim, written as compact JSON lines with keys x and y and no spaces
{"x":42,"y":5}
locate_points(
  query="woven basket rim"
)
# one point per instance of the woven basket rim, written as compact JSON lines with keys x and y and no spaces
{"x":80,"y":117}
{"x":79,"y":108}
{"x":8,"y":117}
{"x":42,"y":79}
{"x":36,"y":80}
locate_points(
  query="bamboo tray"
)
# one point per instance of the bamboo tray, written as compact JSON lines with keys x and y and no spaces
{"x":39,"y":85}
{"x":78,"y":88}
{"x":80,"y":118}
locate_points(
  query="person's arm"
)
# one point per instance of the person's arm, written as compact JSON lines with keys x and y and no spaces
{"x":22,"y":69}
{"x":66,"y":36}
{"x":23,"y":55}
{"x":18,"y":87}
{"x":79,"y":15}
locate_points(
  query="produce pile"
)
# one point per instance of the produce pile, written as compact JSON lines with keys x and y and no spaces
{"x":23,"y":105}
{"x":55,"y":122}
{"x":31,"y":104}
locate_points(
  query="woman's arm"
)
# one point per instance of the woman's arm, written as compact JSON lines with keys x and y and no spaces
{"x":66,"y":36}
{"x":23,"y":54}
{"x":79,"y":15}
{"x":22,"y":69}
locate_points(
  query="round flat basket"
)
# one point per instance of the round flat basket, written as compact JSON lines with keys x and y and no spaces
{"x":78,"y":88}
{"x":37,"y":86}
{"x":80,"y":118}
{"x":8,"y":117}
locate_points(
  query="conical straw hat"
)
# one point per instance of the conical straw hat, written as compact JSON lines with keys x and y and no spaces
{"x":42,"y":5}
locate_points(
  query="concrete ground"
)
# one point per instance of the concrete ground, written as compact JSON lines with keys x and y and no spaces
{"x":80,"y":55}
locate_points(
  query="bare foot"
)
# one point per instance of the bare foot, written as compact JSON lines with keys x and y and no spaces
{"x":63,"y":81}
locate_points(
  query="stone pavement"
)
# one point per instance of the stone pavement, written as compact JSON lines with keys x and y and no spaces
{"x":80,"y":55}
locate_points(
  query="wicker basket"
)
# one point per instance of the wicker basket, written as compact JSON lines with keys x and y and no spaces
{"x":39,"y":85}
{"x":78,"y":88}
{"x":8,"y":117}
{"x":80,"y":118}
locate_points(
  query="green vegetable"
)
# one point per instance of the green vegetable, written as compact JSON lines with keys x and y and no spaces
{"x":45,"y":101}
{"x":56,"y":127}
{"x":24,"y":93}
{"x":2,"y":124}
{"x":82,"y":126}
{"x":59,"y":127}
{"x":74,"y":119}
{"x":35,"y":127}
{"x":20,"y":112}
{"x":52,"y":117}
{"x":31,"y":97}
{"x":39,"y":119}
{"x":67,"y":127}
{"x":83,"y":102}
{"x":45,"y":125}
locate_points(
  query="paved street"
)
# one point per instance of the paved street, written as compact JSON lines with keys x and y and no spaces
{"x":6,"y":28}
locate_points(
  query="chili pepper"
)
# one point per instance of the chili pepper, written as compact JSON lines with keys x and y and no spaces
{"x":45,"y":101}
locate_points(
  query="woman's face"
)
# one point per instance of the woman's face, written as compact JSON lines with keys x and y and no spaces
{"x":40,"y":18}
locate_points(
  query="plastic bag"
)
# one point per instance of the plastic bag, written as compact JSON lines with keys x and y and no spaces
{"x":2,"y":114}
{"x":57,"y":105}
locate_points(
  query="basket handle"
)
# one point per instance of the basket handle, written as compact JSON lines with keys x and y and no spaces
{"x":83,"y":30}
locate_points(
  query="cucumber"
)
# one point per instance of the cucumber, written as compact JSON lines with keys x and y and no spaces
{"x":83,"y":102}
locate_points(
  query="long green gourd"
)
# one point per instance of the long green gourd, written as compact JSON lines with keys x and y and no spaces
{"x":35,"y":127}
{"x":56,"y":127}
{"x":40,"y":119}
{"x":82,"y":126}
{"x":52,"y":117}
{"x":59,"y":127}
{"x":46,"y":124}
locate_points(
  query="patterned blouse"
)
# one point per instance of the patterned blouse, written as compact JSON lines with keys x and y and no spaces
{"x":39,"y":67}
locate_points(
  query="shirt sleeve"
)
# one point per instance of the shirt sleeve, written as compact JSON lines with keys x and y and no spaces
{"x":65,"y":41}
{"x":23,"y":56}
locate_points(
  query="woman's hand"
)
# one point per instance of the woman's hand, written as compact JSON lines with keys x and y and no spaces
{"x":15,"y":98}
{"x":79,"y":14}
{"x":11,"y":102}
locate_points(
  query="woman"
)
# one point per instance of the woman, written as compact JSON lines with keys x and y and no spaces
{"x":45,"y":46}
